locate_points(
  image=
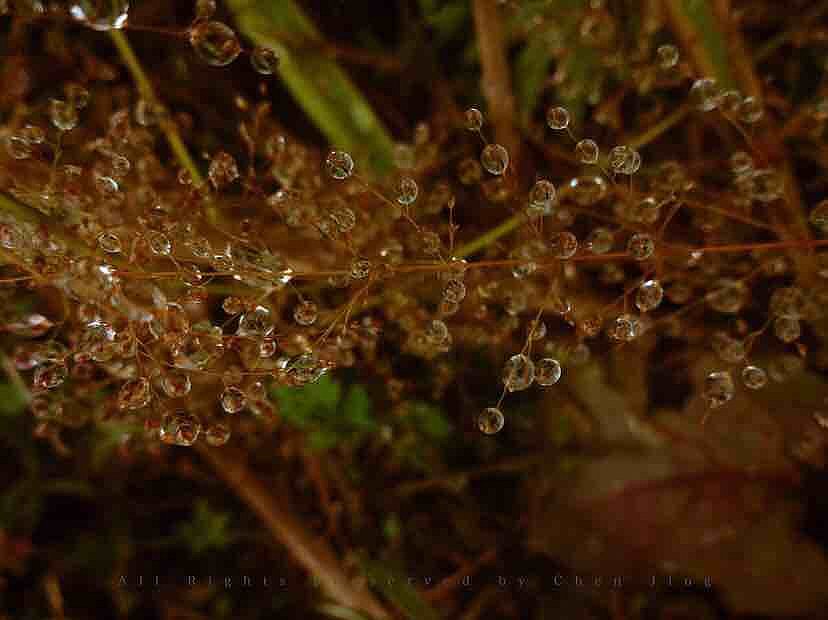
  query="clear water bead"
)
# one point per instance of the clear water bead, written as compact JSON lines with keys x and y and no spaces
{"x":641,"y":246}
{"x":305,"y":313}
{"x":490,"y":421}
{"x":339,"y":164}
{"x":474,"y":119}
{"x":649,"y":296}
{"x":495,"y":159}
{"x":668,"y":56}
{"x":134,"y":394}
{"x":518,"y":373}
{"x":819,"y":217}
{"x":705,"y":94}
{"x":264,"y":60}
{"x":557,"y":118}
{"x":542,"y":197}
{"x":454,"y":291}
{"x":587,"y":151}
{"x":600,"y":240}
{"x":223,"y":170}
{"x":100,"y":14}
{"x":181,"y":429}
{"x":548,"y":371}
{"x":232,"y":399}
{"x":63,"y":114}
{"x":407,"y":191}
{"x":215,"y":43}
{"x":176,"y":384}
{"x":217,"y":434}
{"x":718,"y":389}
{"x":754,"y":378}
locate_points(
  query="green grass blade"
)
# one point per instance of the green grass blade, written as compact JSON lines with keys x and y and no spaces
{"x":319,"y":85}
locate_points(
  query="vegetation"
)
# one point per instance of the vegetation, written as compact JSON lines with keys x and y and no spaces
{"x":413,"y":309}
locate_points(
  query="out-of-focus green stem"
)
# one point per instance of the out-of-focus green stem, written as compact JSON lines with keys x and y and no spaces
{"x":490,"y":236}
{"x":320,"y":86}
{"x":146,"y":90}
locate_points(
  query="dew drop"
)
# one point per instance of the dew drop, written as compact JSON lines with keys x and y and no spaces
{"x":215,"y":43}
{"x":232,"y":399}
{"x":718,"y":389}
{"x":754,"y":378}
{"x":264,"y":60}
{"x":305,"y":313}
{"x":495,"y":159}
{"x":587,"y":151}
{"x":490,"y":421}
{"x":518,"y":373}
{"x":557,"y":118}
{"x":217,"y":434}
{"x":548,"y":372}
{"x":339,"y":164}
{"x":100,"y":14}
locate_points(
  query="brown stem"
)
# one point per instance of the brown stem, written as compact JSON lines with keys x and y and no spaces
{"x":497,"y":81}
{"x":314,"y":554}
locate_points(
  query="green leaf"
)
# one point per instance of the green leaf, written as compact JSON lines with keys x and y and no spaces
{"x":531,"y":70}
{"x":12,"y":400}
{"x":356,"y":408}
{"x":429,"y":420}
{"x":300,"y":404}
{"x":208,"y":530}
{"x":319,"y":85}
{"x":448,"y":20}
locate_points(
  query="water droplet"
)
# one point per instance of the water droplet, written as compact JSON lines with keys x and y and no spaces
{"x":110,"y":242}
{"x":100,"y":14}
{"x":255,"y":324}
{"x":454,"y":291}
{"x":625,"y":328}
{"x":641,"y":246}
{"x":223,"y":170}
{"x":339,"y":164}
{"x":587,"y":151}
{"x":305,"y":313}
{"x":181,"y":429}
{"x":176,"y":384}
{"x":600,"y":240}
{"x":564,"y":245}
{"x":159,"y":244}
{"x":705,"y":94}
{"x":49,"y":375}
{"x":557,"y":118}
{"x":264,"y":60}
{"x":407,"y":191}
{"x":217,"y":434}
{"x":668,"y":56}
{"x":63,"y":114}
{"x":718,"y":389}
{"x":490,"y":421}
{"x":215,"y":43}
{"x":232,"y":399}
{"x":495,"y":159}
{"x":649,"y":296}
{"x":360,"y":269}
{"x":548,"y":371}
{"x":819,"y":217}
{"x":542,"y":197}
{"x":474,"y":119}
{"x":134,"y":394}
{"x":754,"y":377}
{"x":518,"y":373}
